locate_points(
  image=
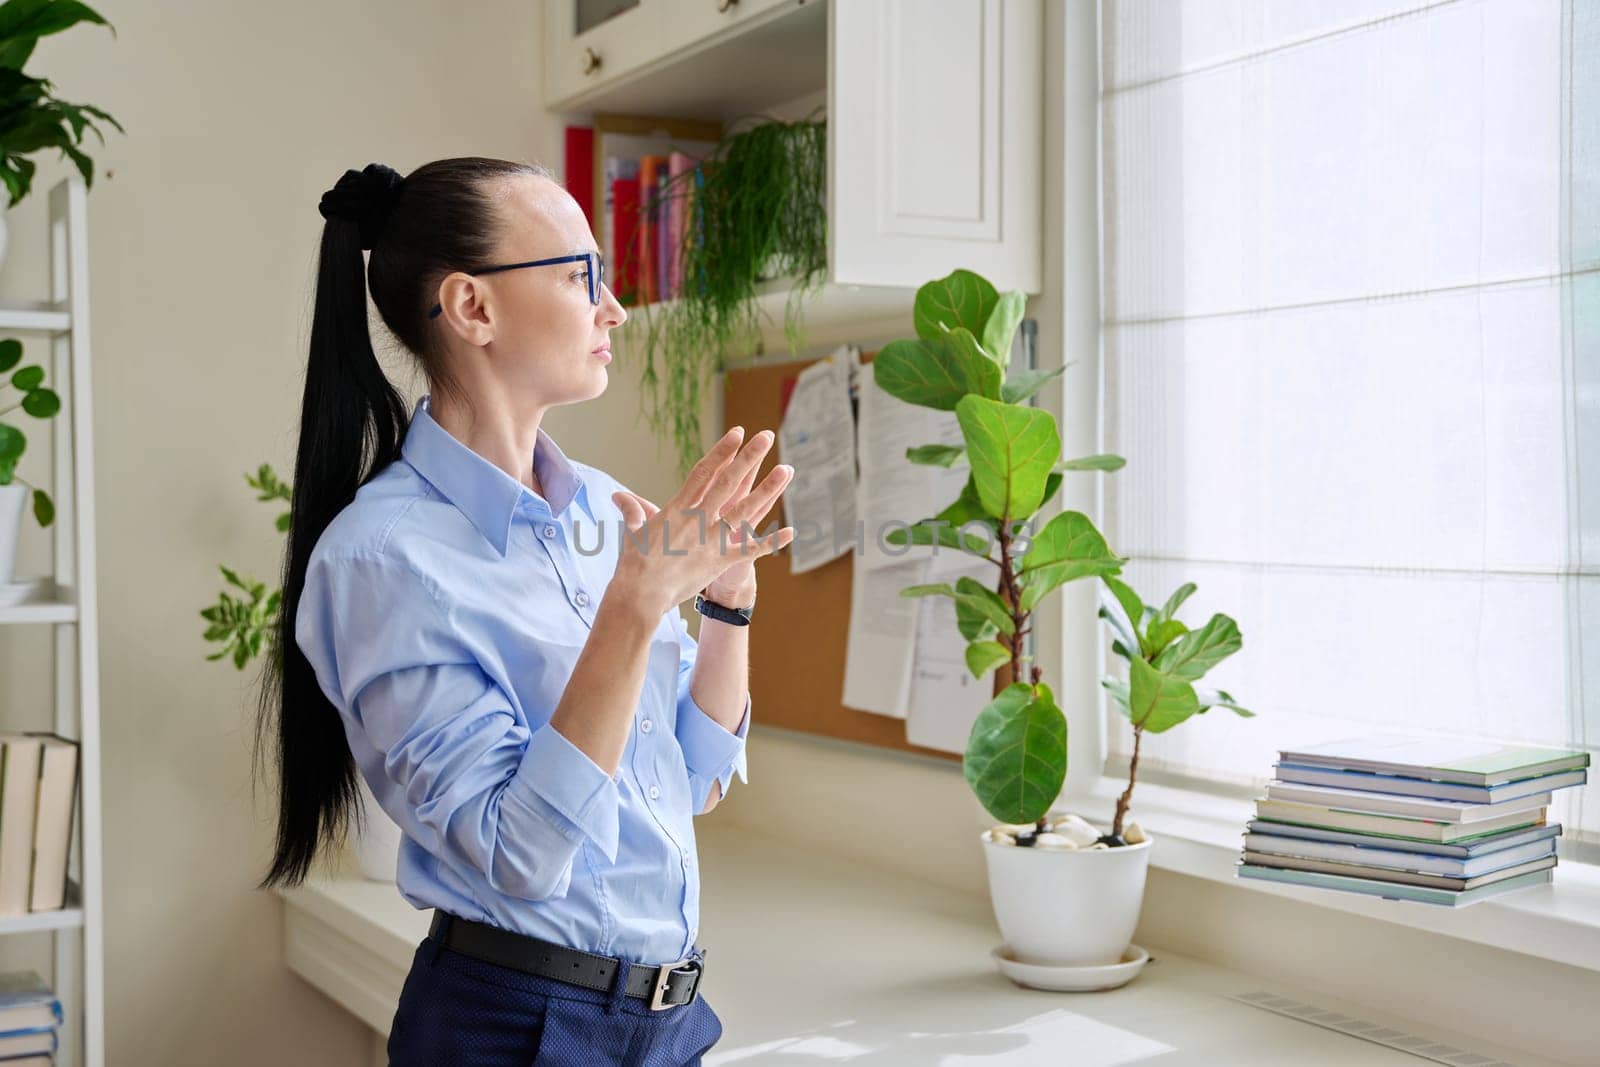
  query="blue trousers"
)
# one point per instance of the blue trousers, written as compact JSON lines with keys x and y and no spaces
{"x":456,"y":1009}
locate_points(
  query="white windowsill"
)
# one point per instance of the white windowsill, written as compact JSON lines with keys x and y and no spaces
{"x":1201,"y":835}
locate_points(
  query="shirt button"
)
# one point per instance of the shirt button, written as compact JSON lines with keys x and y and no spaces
{"x":654,"y":792}
{"x":582,"y":598}
{"x":549,"y":529}
{"x":645,"y":726}
{"x":686,"y":863}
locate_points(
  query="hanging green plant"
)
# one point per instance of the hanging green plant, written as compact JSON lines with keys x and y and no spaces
{"x":755,"y":210}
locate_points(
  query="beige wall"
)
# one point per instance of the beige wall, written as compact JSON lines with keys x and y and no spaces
{"x":203,"y":248}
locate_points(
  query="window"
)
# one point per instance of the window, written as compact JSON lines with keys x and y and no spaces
{"x":1351,"y":339}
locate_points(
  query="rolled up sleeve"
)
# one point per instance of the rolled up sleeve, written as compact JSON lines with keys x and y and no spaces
{"x":710,"y":752}
{"x":480,"y":789}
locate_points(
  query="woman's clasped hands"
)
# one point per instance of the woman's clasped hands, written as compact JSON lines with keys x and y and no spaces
{"x":705,"y":533}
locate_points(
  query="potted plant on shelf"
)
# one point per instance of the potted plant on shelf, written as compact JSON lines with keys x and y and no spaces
{"x":242,"y":627}
{"x":41,"y":403}
{"x":1070,"y":895}
{"x":754,"y":211}
{"x":31,"y":118}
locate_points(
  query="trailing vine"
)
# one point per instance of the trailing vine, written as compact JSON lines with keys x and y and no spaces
{"x":757,"y":210}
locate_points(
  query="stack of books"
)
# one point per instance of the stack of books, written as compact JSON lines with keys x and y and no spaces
{"x":38,"y":783}
{"x":30,"y":1018}
{"x":1441,"y":821}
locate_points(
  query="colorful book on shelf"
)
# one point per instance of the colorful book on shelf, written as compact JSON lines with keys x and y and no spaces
{"x":680,"y":167}
{"x":663,"y":282}
{"x":649,"y":224}
{"x":1391,"y":804}
{"x":27,"y":1003}
{"x":1423,"y":787}
{"x":1397,"y":859}
{"x":1392,"y":825}
{"x":1468,"y":848}
{"x":1388,"y":874}
{"x":578,"y":169}
{"x":1440,"y":759}
{"x":625,"y":220}
{"x":1394,"y":890}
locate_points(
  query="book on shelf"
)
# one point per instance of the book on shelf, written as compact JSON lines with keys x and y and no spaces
{"x":1467,"y":848}
{"x":27,"y":1003}
{"x":648,"y":235}
{"x":1385,"y":874}
{"x":1466,"y":762}
{"x":1424,"y":787}
{"x":624,"y":257}
{"x":1390,"y":804}
{"x":1392,"y":825}
{"x":1395,"y":859}
{"x":28,"y":1043}
{"x":680,"y":209}
{"x":34,"y":1060}
{"x":38,"y":782}
{"x":1394,"y":890}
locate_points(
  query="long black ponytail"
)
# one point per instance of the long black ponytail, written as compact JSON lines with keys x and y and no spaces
{"x":440,"y":218}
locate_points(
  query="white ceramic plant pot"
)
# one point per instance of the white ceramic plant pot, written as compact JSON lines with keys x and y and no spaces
{"x":1067,"y":907}
{"x":13,"y":499}
{"x":377,"y":847}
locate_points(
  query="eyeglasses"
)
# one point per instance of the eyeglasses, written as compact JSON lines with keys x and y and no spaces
{"x":596,"y":274}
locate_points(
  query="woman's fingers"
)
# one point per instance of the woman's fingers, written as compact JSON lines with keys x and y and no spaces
{"x":706,"y":469}
{"x":754,"y":507}
{"x":632,"y":511}
{"x":723,"y":484}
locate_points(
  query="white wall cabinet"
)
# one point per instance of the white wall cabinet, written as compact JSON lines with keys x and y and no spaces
{"x":935,"y":113}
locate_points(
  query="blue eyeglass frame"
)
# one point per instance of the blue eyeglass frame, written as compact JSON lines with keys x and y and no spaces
{"x":596,"y":275}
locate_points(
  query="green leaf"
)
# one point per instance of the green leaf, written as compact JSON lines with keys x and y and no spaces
{"x":10,"y":353}
{"x":7,"y":469}
{"x":1069,"y":547}
{"x":973,"y":622}
{"x":936,"y":532}
{"x":936,"y":373}
{"x":284,"y":522}
{"x":1218,"y":698}
{"x":44,"y":512}
{"x":13,"y":442}
{"x":930,"y":589}
{"x":959,"y":299}
{"x":28,"y":378}
{"x":1130,"y":608}
{"x":1104,"y":461}
{"x":1016,"y":756}
{"x":1196,"y":652}
{"x":1163,"y":632}
{"x":1175,"y":601}
{"x":1001,"y":326}
{"x":935,"y":455}
{"x":1158,"y":701}
{"x":1052,"y":482}
{"x":1024,"y":383}
{"x":987,"y":602}
{"x":985,"y":656}
{"x":1119,"y":694}
{"x":41,"y":403}
{"x":1011,"y":450}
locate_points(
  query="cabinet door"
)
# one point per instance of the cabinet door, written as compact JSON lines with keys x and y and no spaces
{"x":935,"y":140}
{"x":604,"y":50}
{"x":689,"y":21}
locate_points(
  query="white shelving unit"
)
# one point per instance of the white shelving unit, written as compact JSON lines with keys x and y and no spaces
{"x":68,"y":604}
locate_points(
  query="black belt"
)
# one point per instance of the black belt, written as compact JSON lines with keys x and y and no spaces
{"x":663,"y":985}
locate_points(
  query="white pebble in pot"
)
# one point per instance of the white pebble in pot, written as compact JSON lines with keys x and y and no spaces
{"x":1133,"y":833}
{"x":1076,"y":830}
{"x":1054,"y":841}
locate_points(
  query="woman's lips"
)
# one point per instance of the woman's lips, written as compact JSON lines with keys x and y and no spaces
{"x":603,"y":354}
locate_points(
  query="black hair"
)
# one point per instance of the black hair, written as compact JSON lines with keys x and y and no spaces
{"x":441,"y":218}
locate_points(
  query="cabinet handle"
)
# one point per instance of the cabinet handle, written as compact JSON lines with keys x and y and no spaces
{"x":591,"y":61}
{"x":724,"y":5}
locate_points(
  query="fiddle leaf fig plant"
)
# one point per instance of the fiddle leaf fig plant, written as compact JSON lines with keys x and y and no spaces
{"x":240,"y":625}
{"x":1016,"y":755}
{"x":38,"y":401}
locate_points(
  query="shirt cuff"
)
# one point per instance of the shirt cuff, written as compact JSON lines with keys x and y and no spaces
{"x":561,"y":774}
{"x":709,"y":750}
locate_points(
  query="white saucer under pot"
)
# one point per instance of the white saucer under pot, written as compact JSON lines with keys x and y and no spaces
{"x":1071,"y":979}
{"x":1067,"y":907}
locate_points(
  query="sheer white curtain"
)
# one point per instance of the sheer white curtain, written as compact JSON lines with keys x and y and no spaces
{"x":1351,"y":334}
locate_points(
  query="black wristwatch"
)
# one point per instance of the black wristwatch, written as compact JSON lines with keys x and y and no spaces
{"x":721,"y":612}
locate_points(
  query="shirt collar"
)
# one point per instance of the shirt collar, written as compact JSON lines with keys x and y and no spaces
{"x":483,"y":492}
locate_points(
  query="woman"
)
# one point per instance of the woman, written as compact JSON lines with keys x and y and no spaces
{"x":488,"y":631}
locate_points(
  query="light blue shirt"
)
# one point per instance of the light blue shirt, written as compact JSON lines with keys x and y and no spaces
{"x":444,"y":610}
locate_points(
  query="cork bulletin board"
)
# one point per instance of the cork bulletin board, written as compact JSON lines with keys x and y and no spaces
{"x":797,"y":647}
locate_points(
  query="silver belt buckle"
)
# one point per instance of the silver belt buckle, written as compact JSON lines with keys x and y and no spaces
{"x":663,"y":974}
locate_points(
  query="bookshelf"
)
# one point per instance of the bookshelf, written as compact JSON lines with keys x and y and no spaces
{"x":67,"y":602}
